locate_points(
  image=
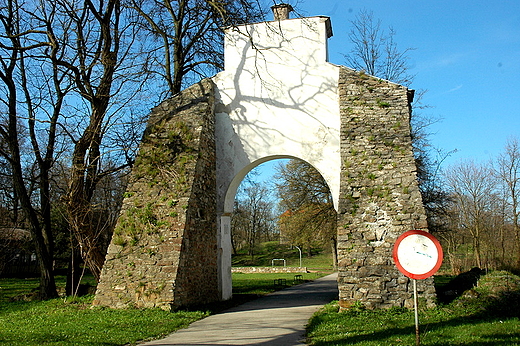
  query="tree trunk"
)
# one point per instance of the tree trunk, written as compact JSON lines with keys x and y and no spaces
{"x":478,"y":258}
{"x":47,"y":283}
{"x":43,"y":241}
{"x":85,"y":170}
{"x":85,"y":232}
{"x":517,"y":238}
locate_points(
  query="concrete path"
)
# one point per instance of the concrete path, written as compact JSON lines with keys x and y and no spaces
{"x":277,"y":319}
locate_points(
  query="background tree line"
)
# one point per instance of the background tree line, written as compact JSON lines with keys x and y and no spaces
{"x":294,"y":208}
{"x":481,"y":225}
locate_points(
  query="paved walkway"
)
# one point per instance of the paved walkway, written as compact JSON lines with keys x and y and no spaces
{"x":277,"y":319}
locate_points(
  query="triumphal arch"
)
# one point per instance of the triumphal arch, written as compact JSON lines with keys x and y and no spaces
{"x":278,"y":97}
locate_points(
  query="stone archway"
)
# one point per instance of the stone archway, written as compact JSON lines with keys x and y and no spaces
{"x":225,"y":220}
{"x":278,"y":96}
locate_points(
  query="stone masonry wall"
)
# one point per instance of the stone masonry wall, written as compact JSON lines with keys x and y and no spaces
{"x":164,"y":251}
{"x":380,"y":197}
{"x":249,"y":270}
{"x":164,"y":248}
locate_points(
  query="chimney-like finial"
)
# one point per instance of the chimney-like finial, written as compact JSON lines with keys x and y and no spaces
{"x":281,"y":11}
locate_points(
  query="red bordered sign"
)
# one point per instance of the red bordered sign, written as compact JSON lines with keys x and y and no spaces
{"x":417,"y":254}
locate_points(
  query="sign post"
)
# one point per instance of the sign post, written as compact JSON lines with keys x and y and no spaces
{"x":418,"y":255}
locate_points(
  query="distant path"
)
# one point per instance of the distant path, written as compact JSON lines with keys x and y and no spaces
{"x":276,"y":319}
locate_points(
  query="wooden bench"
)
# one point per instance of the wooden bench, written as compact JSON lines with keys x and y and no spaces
{"x":280,"y":283}
{"x":298,"y":279}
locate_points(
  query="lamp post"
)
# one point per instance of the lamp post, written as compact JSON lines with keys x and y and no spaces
{"x":296,"y":246}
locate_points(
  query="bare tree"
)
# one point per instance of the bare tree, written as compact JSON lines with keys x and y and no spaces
{"x":22,"y":101}
{"x":375,"y":51}
{"x":187,"y":33}
{"x":253,"y":217}
{"x":473,"y":190}
{"x":482,"y":213}
{"x":93,"y":63}
{"x":69,"y":70}
{"x":508,"y":172}
{"x":186,"y":37}
{"x":75,"y":69}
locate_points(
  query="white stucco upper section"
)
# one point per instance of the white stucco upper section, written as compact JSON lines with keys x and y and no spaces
{"x":276,"y":98}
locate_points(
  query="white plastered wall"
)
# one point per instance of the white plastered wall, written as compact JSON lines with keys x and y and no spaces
{"x":276,"y":98}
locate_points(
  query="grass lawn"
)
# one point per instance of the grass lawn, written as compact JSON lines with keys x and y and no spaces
{"x":487,"y":315}
{"x":73,"y":321}
{"x":57,"y":322}
{"x":266,"y":252}
{"x":440,"y":326}
{"x":263,"y":283}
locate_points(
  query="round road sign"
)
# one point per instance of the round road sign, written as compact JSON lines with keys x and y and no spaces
{"x":417,"y":254}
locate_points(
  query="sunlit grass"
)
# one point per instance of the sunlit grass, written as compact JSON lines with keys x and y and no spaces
{"x":489,"y":314}
{"x":439,"y":326}
{"x":74,"y":322}
{"x":265,"y":282}
{"x":266,"y":252}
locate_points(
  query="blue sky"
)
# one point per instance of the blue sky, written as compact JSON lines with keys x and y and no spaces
{"x":467,"y":57}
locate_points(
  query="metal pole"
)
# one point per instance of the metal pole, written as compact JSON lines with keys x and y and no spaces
{"x":416,"y":308}
{"x":300,"y":250}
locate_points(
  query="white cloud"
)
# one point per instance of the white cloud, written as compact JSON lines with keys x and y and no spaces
{"x":454,"y":89}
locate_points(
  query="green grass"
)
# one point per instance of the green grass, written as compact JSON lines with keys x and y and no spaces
{"x":10,"y":288}
{"x":489,"y":314}
{"x":265,"y":252}
{"x":440,"y":326}
{"x":60,"y":322}
{"x":260,"y":284}
{"x":485,"y":315}
{"x":73,"y":321}
{"x":25,"y":288}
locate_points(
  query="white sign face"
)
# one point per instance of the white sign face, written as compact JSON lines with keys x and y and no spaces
{"x":417,"y":254}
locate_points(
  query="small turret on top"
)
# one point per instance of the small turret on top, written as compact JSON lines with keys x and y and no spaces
{"x":281,"y":11}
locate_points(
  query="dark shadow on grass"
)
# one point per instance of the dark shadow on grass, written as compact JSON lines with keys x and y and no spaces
{"x":16,"y":306}
{"x":458,"y":285}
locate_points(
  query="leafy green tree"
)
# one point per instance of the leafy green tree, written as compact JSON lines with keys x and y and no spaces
{"x":309,"y":217}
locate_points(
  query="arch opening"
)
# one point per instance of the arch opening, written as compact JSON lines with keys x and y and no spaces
{"x":231,"y":191}
{"x":261,"y":215}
